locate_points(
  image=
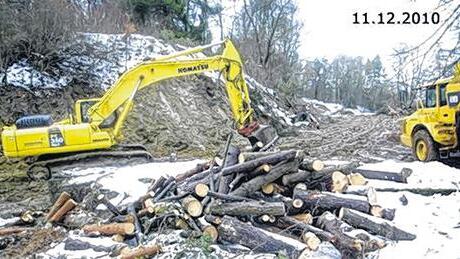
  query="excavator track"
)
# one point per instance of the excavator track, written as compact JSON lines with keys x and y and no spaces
{"x":40,"y":169}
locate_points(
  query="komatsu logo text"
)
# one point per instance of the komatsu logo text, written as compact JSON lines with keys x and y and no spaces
{"x":193,"y":68}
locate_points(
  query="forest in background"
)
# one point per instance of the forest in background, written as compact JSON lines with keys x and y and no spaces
{"x":267,"y":33}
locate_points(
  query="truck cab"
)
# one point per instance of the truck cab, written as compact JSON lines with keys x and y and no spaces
{"x":432,"y":131}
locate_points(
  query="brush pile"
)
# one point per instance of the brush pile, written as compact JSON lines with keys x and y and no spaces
{"x":268,"y":202}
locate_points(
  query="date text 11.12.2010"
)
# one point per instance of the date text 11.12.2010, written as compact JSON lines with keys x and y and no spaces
{"x":401,"y":18}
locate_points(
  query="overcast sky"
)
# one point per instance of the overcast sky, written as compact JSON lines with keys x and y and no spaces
{"x":329,"y":30}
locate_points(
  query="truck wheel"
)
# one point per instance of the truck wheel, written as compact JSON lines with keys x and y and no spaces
{"x":424,"y":147}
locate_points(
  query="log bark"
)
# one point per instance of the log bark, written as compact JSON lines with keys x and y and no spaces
{"x":296,"y":227}
{"x":137,"y":223}
{"x":374,"y":225}
{"x":343,"y":231}
{"x":248,"y":156}
{"x":270,"y":159}
{"x":63,"y":197}
{"x":158,"y":184}
{"x":256,"y":183}
{"x":110,"y":229}
{"x":313,"y":200}
{"x":234,"y":231}
{"x":198,"y":169}
{"x":400,"y":177}
{"x":385,"y":213}
{"x":171,"y":185}
{"x":141,"y":251}
{"x":312,"y":166}
{"x":68,"y":206}
{"x":253,"y":208}
{"x":231,"y":158}
{"x":227,"y":197}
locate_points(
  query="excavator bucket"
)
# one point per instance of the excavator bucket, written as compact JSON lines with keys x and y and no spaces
{"x":263,"y":137}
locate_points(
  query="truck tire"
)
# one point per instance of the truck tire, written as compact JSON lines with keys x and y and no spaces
{"x":424,"y":147}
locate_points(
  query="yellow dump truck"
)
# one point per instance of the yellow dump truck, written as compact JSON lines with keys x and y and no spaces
{"x":433,"y":130}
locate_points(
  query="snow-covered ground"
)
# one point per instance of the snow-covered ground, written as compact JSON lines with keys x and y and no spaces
{"x":334,"y":109}
{"x":434,"y":219}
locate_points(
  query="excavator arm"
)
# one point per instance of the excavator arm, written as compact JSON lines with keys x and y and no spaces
{"x":150,"y":72}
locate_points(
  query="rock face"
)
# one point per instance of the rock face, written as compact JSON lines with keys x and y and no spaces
{"x":189,"y":116}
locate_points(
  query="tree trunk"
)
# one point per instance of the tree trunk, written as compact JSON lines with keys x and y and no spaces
{"x":314,"y":200}
{"x":251,"y":165}
{"x":296,"y":227}
{"x":400,"y":177}
{"x":256,"y":183}
{"x":252,"y":208}
{"x":374,"y":225}
{"x":111,"y":229}
{"x":234,"y":231}
{"x":230,"y":159}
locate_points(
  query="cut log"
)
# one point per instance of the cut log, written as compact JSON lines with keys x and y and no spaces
{"x":339,"y":182}
{"x":63,"y":197}
{"x":13,"y":230}
{"x":297,"y":228}
{"x":313,"y":200}
{"x":248,"y":156}
{"x":234,"y":231}
{"x":270,"y":159}
{"x":213,"y":219}
{"x":201,"y":190}
{"x":400,"y":177}
{"x":252,"y":208}
{"x":162,"y":192}
{"x":141,"y":251}
{"x":374,"y":225}
{"x":157,"y":184}
{"x":385,"y":213}
{"x":110,"y":229}
{"x":306,"y":218}
{"x":231,"y":158}
{"x":112,"y":208}
{"x":263,"y":169}
{"x":297,"y":203}
{"x":118,"y":238}
{"x":198,"y":169}
{"x":312,"y":166}
{"x":137,"y":223}
{"x":256,"y":183}
{"x":212,"y":232}
{"x":192,"y":206}
{"x":60,"y":213}
{"x":311,"y":240}
{"x":268,"y":188}
{"x":227,"y":197}
{"x":356,"y":179}
{"x":345,"y":243}
{"x":426,"y":191}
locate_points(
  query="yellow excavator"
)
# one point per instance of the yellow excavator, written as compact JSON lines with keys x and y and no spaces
{"x":93,"y":129}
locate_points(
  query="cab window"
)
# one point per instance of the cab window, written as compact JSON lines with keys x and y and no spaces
{"x":430,"y":98}
{"x":442,"y":95}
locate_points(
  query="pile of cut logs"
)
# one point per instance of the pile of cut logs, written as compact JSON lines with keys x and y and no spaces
{"x":254,"y":198}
